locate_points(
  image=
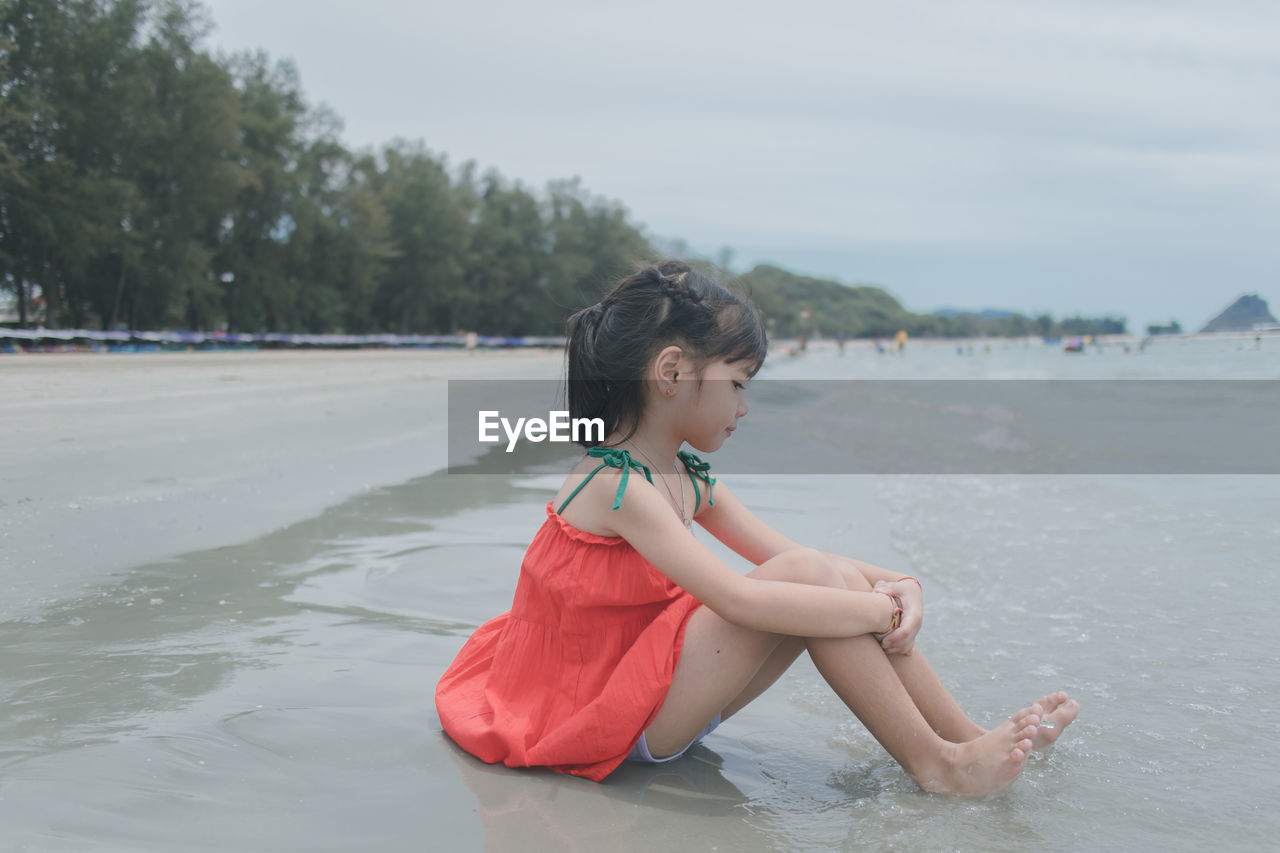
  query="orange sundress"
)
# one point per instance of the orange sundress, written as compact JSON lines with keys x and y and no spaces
{"x":579,"y":666}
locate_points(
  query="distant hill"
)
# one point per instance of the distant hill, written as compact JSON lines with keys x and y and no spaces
{"x":1241,"y":315}
{"x":796,"y":305}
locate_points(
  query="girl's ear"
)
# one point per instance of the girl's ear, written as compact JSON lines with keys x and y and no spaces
{"x":666,"y":368}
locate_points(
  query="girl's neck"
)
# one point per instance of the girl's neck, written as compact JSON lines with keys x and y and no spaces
{"x":659,"y":450}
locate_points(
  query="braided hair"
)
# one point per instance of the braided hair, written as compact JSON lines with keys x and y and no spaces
{"x":612,"y":342}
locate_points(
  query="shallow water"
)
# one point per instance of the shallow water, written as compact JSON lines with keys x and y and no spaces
{"x":277,"y":694}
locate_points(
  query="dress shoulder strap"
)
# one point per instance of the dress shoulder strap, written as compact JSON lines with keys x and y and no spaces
{"x":698,"y":470}
{"x":610,"y":457}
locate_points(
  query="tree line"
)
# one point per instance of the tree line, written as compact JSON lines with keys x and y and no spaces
{"x":147,"y":184}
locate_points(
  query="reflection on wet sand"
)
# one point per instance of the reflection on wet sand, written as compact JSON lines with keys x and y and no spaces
{"x":166,"y":633}
{"x":639,"y":806}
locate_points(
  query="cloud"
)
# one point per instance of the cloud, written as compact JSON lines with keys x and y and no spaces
{"x":964,"y":133}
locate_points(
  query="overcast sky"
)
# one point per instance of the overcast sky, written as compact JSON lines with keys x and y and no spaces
{"x":1116,"y":157}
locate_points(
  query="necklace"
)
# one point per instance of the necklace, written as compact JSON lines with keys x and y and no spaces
{"x":688,"y":523}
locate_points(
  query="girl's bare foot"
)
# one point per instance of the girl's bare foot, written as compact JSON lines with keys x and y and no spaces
{"x":1057,"y":712}
{"x":987,"y":765}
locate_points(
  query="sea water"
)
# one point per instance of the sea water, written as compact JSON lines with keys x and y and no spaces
{"x":277,"y":694}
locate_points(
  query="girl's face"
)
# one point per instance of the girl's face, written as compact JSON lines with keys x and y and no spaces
{"x":716,"y":405}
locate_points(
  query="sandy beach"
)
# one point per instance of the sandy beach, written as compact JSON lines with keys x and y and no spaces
{"x":111,"y":460}
{"x":230,"y":581}
{"x":167,"y":517}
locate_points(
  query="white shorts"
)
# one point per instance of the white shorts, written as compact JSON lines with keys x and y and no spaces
{"x":640,"y":752}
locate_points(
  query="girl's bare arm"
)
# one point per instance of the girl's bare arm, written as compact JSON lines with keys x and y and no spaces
{"x":736,"y":526}
{"x":646,"y":521}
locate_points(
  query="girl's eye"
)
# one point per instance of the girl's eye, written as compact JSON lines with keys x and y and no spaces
{"x":739,"y":385}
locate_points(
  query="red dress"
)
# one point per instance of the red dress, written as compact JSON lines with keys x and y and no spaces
{"x":572,"y":675}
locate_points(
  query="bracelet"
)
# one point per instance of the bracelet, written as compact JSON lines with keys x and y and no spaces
{"x":896,"y":619}
{"x":917,"y":580}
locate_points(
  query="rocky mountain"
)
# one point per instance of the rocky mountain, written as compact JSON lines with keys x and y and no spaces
{"x":1241,"y":315}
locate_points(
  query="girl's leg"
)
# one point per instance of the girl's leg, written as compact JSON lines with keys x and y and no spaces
{"x":928,"y":693}
{"x":934,"y":701}
{"x":770,"y":671}
{"x":860,"y":673}
{"x":718,"y":661}
{"x":941,"y":711}
{"x":723,"y":665}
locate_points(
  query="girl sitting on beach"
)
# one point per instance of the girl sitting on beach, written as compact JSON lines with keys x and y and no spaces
{"x":629,"y":639}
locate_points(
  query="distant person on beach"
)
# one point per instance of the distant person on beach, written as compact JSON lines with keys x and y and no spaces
{"x":628,"y":639}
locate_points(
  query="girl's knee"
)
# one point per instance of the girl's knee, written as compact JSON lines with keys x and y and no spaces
{"x":802,"y":565}
{"x":856,"y":581}
{"x":819,"y":569}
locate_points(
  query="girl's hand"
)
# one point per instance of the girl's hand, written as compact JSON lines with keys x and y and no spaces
{"x":902,"y":640}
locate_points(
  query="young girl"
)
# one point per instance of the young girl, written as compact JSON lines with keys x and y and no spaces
{"x":629,"y":639}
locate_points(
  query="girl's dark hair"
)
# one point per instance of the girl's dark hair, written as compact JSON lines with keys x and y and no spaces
{"x":612,"y":342}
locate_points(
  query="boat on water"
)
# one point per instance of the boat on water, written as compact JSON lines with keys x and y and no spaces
{"x":1076,"y":344}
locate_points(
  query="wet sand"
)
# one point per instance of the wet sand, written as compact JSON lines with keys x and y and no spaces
{"x":231,"y":640}
{"x":230,"y":582}
{"x":111,"y":460}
